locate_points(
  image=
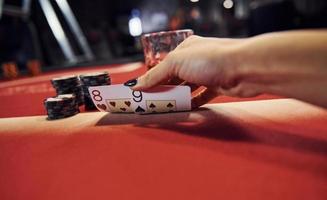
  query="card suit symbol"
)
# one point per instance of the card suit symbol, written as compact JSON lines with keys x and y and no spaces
{"x":139,"y":109}
{"x":152,"y":105}
{"x":128,"y":103}
{"x":102,"y":106}
{"x":112,"y":103}
{"x":170,"y":105}
{"x":123,"y":109}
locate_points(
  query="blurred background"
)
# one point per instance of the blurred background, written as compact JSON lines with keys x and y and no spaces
{"x":67,"y":33}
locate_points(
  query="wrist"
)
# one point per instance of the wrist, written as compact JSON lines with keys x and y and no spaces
{"x":238,"y":67}
{"x":254,"y":63}
{"x":242,"y":72}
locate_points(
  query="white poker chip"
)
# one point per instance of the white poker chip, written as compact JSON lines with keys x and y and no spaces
{"x":65,"y":78}
{"x":94,"y":74}
{"x":65,"y":96}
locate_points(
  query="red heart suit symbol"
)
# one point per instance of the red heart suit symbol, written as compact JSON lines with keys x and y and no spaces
{"x":102,"y":106}
{"x":128,"y":103}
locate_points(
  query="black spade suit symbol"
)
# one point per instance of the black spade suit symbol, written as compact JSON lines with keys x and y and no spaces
{"x":152,"y":105}
{"x":170,"y":105}
{"x":139,"y":109}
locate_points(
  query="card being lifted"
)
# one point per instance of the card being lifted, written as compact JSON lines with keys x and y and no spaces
{"x":121,"y":99}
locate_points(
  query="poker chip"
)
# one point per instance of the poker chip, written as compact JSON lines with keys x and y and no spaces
{"x":61,"y":106}
{"x":93,"y":79}
{"x":69,"y":85}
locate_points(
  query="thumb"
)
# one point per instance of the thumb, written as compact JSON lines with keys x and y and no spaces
{"x":153,"y":77}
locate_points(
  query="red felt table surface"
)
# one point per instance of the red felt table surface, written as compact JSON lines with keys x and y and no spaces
{"x":268,"y":149}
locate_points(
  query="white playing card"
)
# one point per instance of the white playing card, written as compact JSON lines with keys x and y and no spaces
{"x":120,"y":98}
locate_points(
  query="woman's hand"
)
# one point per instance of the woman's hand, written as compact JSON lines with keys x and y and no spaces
{"x":200,"y":62}
{"x":291,"y":64}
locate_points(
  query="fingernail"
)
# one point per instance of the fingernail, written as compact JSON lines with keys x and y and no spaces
{"x":131,"y":82}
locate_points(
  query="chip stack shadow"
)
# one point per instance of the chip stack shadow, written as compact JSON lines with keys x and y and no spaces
{"x":93,"y":79}
{"x":69,"y":85}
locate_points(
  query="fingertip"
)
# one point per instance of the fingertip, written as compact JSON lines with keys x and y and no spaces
{"x":131,"y":82}
{"x":138,"y":88}
{"x":134,"y":84}
{"x":141,"y":83}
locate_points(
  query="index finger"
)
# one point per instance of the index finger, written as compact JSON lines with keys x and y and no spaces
{"x":156,"y":75}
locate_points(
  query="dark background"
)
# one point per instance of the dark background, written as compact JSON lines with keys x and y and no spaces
{"x":105,"y":25}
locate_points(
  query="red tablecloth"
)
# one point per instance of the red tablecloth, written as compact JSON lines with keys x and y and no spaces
{"x":269,"y":149}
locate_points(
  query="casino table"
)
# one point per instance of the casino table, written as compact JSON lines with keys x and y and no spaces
{"x":266,"y":147}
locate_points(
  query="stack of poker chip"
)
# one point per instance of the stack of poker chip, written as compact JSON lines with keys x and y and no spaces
{"x":61,"y":106}
{"x":93,"y":79}
{"x":69,"y":85}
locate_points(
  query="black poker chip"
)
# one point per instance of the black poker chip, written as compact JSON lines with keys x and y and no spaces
{"x":61,"y":106}
{"x":69,"y":85}
{"x":93,"y":79}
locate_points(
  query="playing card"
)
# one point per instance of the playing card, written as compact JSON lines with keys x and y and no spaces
{"x":121,"y":99}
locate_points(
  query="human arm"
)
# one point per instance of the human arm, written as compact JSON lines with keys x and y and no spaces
{"x":292,"y":64}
